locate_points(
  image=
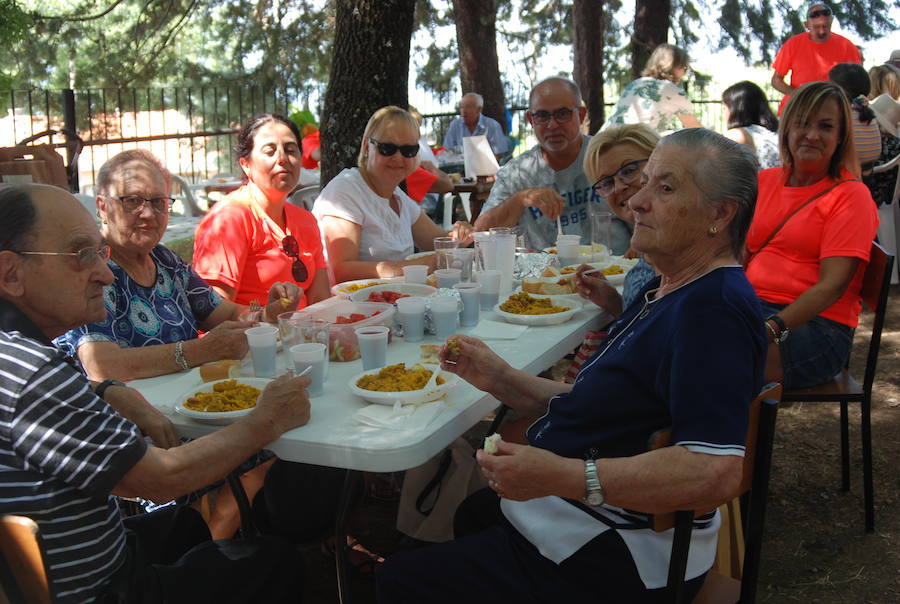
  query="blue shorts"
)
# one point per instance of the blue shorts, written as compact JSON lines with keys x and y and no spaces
{"x":813,"y":352}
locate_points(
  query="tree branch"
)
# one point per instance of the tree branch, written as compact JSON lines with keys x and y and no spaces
{"x":72,"y":18}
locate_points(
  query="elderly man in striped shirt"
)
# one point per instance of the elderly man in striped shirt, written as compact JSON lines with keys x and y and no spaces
{"x":64,"y":450}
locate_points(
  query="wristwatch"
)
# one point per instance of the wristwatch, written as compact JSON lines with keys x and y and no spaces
{"x":100,"y":390}
{"x":594,"y":494}
{"x":783,"y":331}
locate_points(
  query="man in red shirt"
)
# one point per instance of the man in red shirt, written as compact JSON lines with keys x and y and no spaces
{"x":809,"y":56}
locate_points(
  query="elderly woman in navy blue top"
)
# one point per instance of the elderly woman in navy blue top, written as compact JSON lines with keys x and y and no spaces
{"x":689,"y":352}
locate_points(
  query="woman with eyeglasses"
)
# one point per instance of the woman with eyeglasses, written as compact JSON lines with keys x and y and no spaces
{"x":751,"y":122}
{"x":155,"y":308}
{"x":368,"y":223}
{"x":614,"y":162}
{"x":655,"y":98}
{"x":254,"y":239}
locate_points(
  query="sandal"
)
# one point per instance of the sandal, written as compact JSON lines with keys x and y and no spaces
{"x":358,"y":557}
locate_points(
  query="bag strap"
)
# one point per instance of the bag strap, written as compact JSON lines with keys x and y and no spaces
{"x":789,"y":216}
{"x":434,"y":485}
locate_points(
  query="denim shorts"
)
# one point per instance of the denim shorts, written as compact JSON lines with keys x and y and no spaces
{"x":813,"y":352}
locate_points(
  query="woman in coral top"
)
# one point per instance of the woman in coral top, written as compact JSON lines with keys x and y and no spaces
{"x":253,"y":238}
{"x":810,"y":239}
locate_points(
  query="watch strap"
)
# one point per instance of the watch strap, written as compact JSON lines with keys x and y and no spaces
{"x":100,"y":390}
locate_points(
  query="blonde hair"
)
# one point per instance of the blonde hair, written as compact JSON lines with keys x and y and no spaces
{"x":666,"y":58}
{"x":380,"y":120}
{"x":808,"y":99}
{"x":884,"y":80}
{"x":641,"y":136}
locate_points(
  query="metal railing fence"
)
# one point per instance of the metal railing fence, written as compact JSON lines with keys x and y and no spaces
{"x":191,"y":128}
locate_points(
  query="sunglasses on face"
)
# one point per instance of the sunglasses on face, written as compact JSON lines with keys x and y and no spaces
{"x":290,"y":247}
{"x":626,"y":175}
{"x":561,"y":115}
{"x":388,"y":149}
{"x":135,"y":203}
{"x":822,"y":12}
{"x":86,"y":256}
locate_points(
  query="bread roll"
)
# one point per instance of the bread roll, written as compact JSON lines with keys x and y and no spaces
{"x":220,"y":370}
{"x":490,"y":443}
{"x":532,"y":286}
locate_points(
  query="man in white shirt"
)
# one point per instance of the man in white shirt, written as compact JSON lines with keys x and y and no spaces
{"x":472,"y":123}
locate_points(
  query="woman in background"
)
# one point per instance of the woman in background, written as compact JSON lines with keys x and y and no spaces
{"x":751,"y":122}
{"x":854,"y":81}
{"x":655,"y":98}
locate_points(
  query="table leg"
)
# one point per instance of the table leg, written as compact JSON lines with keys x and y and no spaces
{"x":340,"y":536}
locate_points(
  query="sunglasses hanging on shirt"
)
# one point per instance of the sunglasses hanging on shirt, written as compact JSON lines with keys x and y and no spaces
{"x":290,"y":247}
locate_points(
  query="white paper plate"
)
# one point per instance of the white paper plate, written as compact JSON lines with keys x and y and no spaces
{"x":339,"y":289}
{"x":410,"y":289}
{"x":221,"y":417}
{"x":418,"y":255}
{"x":626,"y":263}
{"x":538,"y":320}
{"x":411,"y":397}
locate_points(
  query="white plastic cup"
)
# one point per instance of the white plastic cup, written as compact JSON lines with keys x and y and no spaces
{"x":313,"y":330}
{"x":445,"y":315}
{"x":262,"y":341}
{"x":490,"y":288}
{"x":485,"y":251}
{"x":469,"y":294}
{"x":568,"y":253}
{"x":411,"y":314}
{"x":415,"y":273}
{"x":289,"y":334}
{"x":505,"y":243}
{"x":373,"y":343}
{"x":564,"y":239}
{"x":601,"y":234}
{"x":311,"y":355}
{"x":447,"y":277}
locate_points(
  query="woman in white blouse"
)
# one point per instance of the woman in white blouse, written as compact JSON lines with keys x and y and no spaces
{"x":369,"y":225}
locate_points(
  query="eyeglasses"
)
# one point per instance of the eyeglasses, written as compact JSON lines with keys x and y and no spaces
{"x":627,"y":174}
{"x":561,"y":115}
{"x":86,"y":256}
{"x":290,"y":247}
{"x":823,"y":12}
{"x":135,"y":203}
{"x":388,"y":149}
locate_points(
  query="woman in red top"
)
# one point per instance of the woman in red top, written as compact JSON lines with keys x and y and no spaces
{"x":810,"y":238}
{"x":253,"y":238}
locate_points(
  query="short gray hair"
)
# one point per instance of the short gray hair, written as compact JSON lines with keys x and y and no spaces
{"x":725,"y":171}
{"x":572,"y":87}
{"x":112,"y":166}
{"x":479,"y":100}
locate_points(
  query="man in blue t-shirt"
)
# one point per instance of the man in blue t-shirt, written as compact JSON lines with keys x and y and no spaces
{"x":547,"y":182}
{"x":471,"y":122}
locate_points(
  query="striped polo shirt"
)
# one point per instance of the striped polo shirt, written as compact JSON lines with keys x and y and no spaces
{"x":62,"y":450}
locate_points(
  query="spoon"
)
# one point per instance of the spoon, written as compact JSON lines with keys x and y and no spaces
{"x":432,"y":381}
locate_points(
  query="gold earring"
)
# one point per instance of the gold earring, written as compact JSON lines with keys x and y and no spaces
{"x":713,"y":230}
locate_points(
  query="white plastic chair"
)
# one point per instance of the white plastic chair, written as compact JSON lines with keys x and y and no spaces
{"x":187,"y":194}
{"x":305,"y":197}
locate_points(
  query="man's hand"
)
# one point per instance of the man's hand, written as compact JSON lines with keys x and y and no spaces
{"x":225,"y":341}
{"x":284,"y":403}
{"x":549,"y":202}
{"x":131,"y":404}
{"x":462,"y":232}
{"x":283,"y":296}
{"x":521,"y":472}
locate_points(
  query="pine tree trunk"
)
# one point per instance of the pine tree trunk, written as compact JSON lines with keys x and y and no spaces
{"x":476,"y":39}
{"x":588,"y":28}
{"x":369,"y":69}
{"x":651,"y":28}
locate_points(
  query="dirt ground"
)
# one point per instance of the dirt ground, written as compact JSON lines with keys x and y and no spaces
{"x":816,"y":549}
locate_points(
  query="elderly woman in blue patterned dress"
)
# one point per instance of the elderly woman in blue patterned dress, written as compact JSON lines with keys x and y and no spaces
{"x":157,"y":303}
{"x":156,"y":306}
